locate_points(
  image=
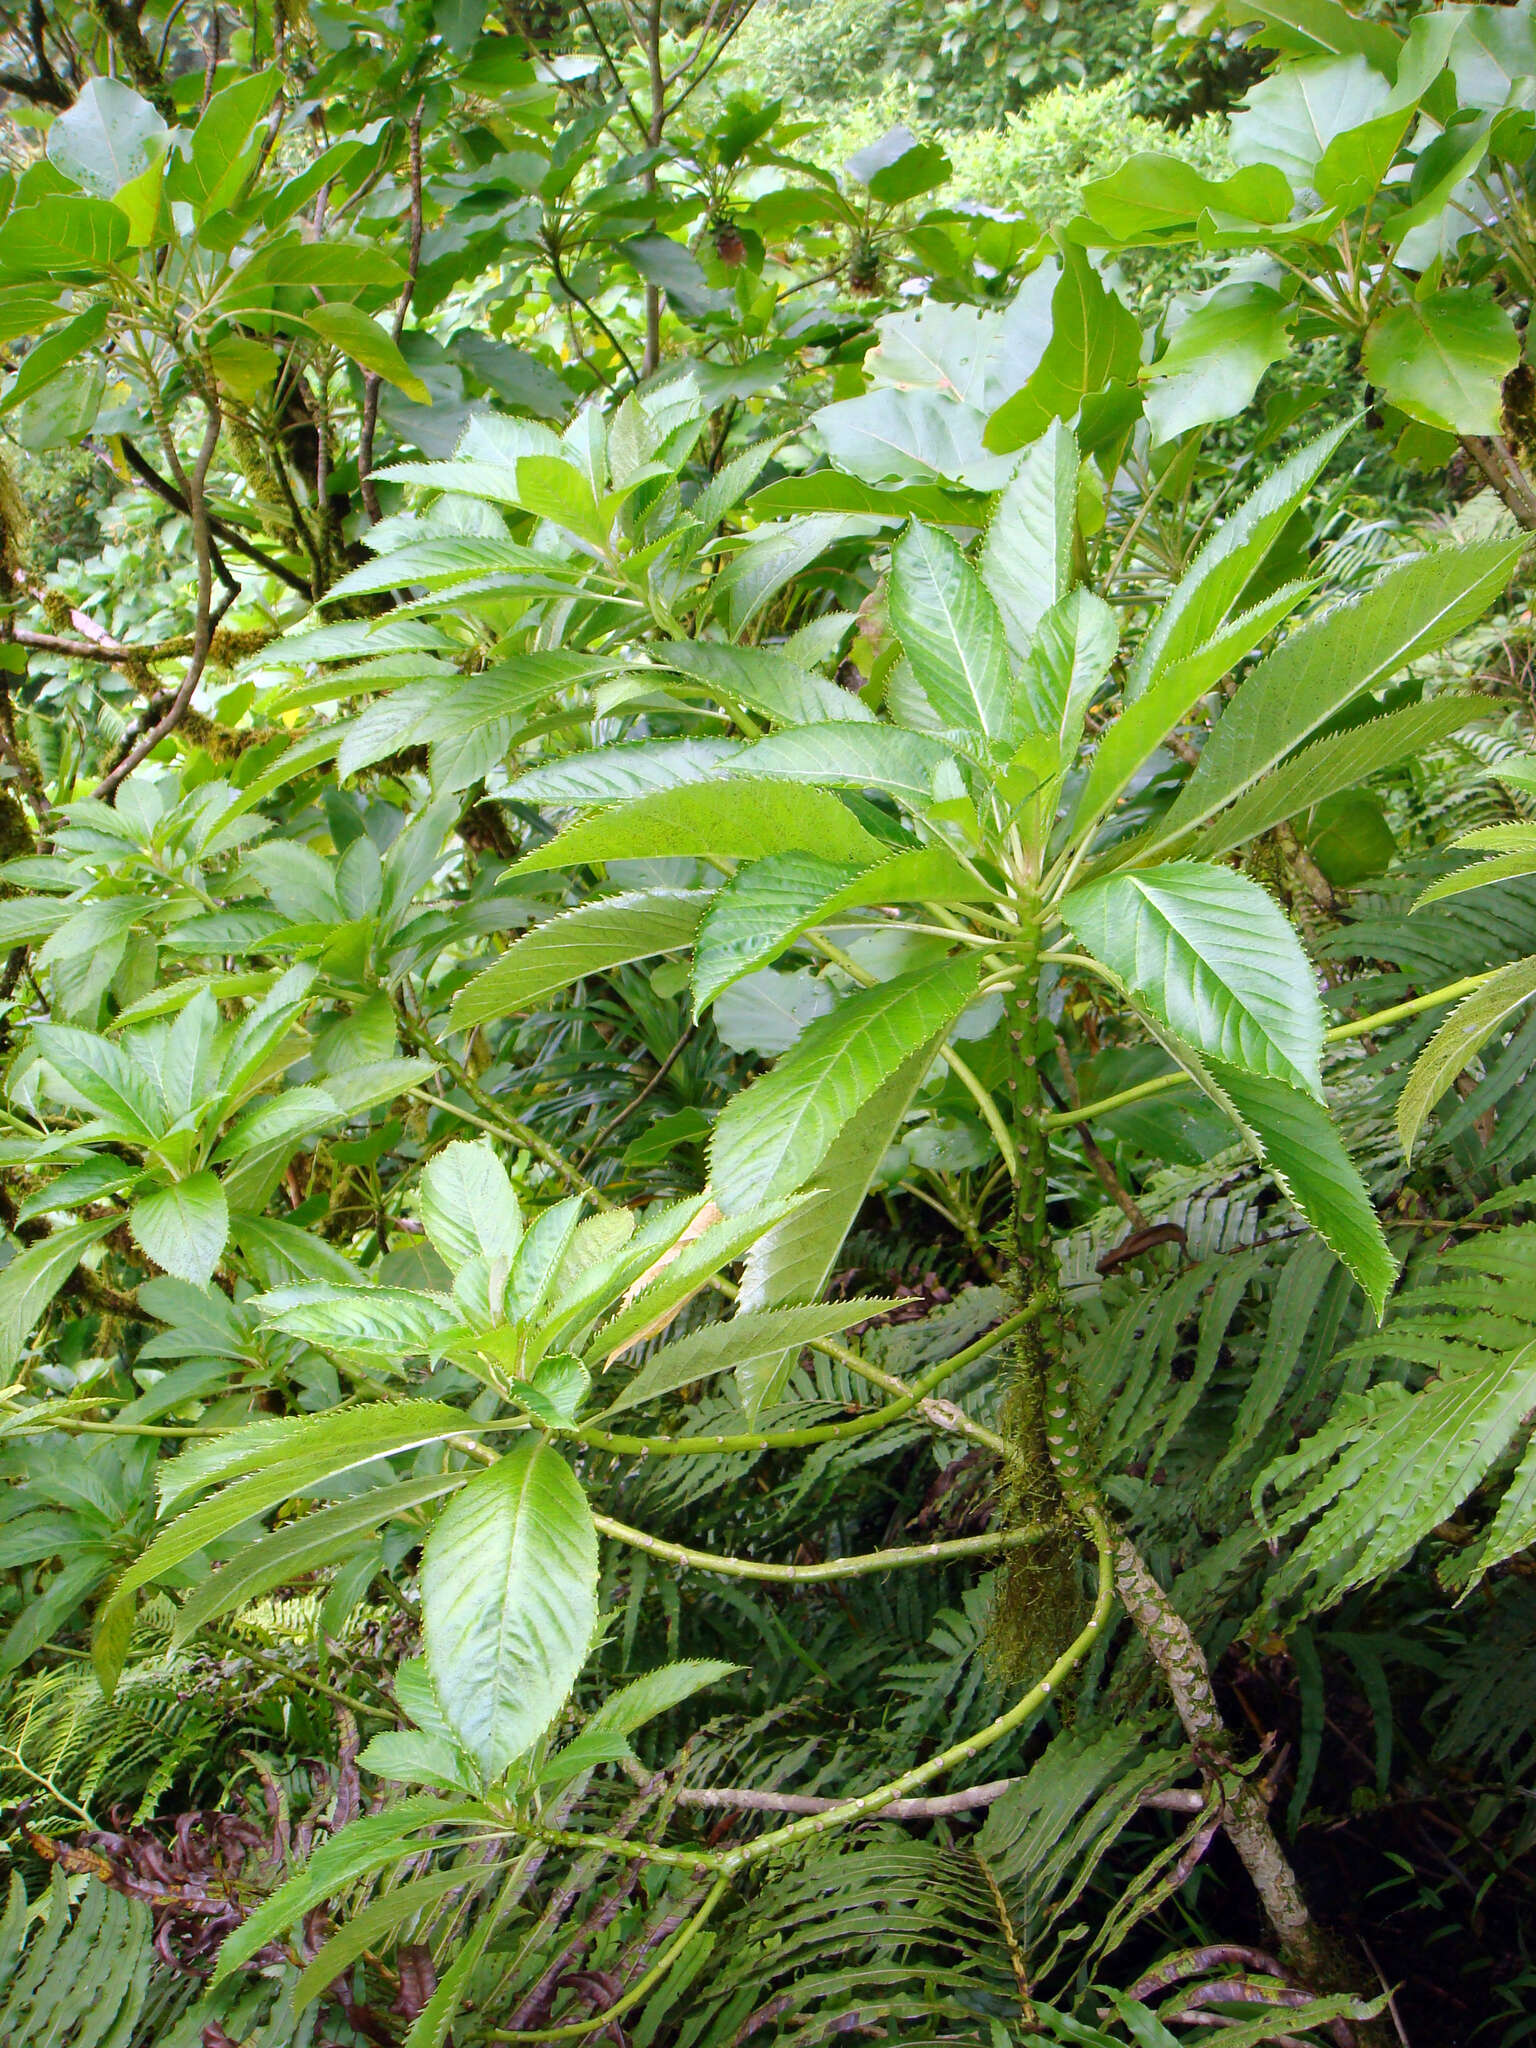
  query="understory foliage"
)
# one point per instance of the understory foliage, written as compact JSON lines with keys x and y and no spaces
{"x":769,"y":919}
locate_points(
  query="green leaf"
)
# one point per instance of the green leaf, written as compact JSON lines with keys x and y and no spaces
{"x":468,"y":1207}
{"x":1152,"y":197}
{"x":1290,"y":117}
{"x":46,"y":358}
{"x":741,"y":819}
{"x":102,"y":1077}
{"x":183,"y":1227}
{"x":897,"y":166}
{"x":1398,"y":1466}
{"x":656,"y":1692}
{"x":908,"y":765}
{"x":1296,"y":1139}
{"x":771,"y":903}
{"x":1094,"y":338}
{"x":1212,"y":367}
{"x":1075,"y":643}
{"x":1337,"y":763}
{"x":600,"y":935}
{"x":764,"y":680}
{"x":309,"y":1544}
{"x":509,"y":1602}
{"x":107,"y":138}
{"x":350,"y":329}
{"x":372,"y":1925}
{"x":778,"y":555}
{"x":383,"y":1322}
{"x":1026,"y":559}
{"x":219,"y":161}
{"x":1414,"y":608}
{"x":677,"y":1275}
{"x":34,"y":1277}
{"x":952,"y":633}
{"x":1144,"y":724}
{"x":64,"y":235}
{"x":1505,"y":867}
{"x":1210,"y":591}
{"x":1444,"y":359}
{"x":1458,"y":1041}
{"x":365,"y":1844}
{"x":610,"y":774}
{"x":1215,"y":958}
{"x":772,"y":1137}
{"x":349,"y":1436}
{"x":740,"y":1344}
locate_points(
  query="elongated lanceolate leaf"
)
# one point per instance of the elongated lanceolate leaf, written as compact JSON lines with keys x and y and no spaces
{"x":1213,"y":955}
{"x":1209,"y":592}
{"x":770,"y":904}
{"x":509,"y":1602}
{"x":1410,"y":611}
{"x":1513,"y":851}
{"x":1337,"y":763}
{"x":610,"y":774}
{"x":771,"y":1138}
{"x":600,"y":935}
{"x":739,"y":1344}
{"x":1297,"y":1141}
{"x":764,"y":680}
{"x":741,"y":819}
{"x":656,"y":1692}
{"x":907,"y":765}
{"x":1075,"y":643}
{"x":952,"y":633}
{"x":1026,"y":560}
{"x":34,"y":1277}
{"x":1458,"y":1041}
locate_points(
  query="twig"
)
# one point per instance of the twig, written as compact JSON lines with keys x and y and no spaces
{"x":968,"y":1801}
{"x":219,"y":528}
{"x":372,"y":382}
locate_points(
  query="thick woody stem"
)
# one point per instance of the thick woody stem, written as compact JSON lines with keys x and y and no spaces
{"x":1305,"y":1946}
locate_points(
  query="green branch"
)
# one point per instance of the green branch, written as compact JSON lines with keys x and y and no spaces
{"x":818,"y":1574}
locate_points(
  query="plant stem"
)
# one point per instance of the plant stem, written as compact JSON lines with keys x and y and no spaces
{"x":817,"y":1574}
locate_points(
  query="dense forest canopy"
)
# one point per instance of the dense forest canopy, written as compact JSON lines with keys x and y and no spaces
{"x":768,"y":907}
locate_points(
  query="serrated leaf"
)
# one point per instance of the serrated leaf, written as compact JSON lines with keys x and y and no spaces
{"x":509,"y":1602}
{"x":598,"y":936}
{"x":609,"y":774}
{"x":34,"y":1277}
{"x":1215,"y":958}
{"x":1412,"y":609}
{"x":771,"y":903}
{"x":1458,"y":1041}
{"x":1026,"y":559}
{"x":764,"y":680}
{"x":183,"y":1227}
{"x":656,"y":1692}
{"x":952,"y":633}
{"x":468,"y":1207}
{"x":907,"y":765}
{"x":739,"y":1344}
{"x":741,"y":819}
{"x":772,"y":1137}
{"x":1303,"y":1151}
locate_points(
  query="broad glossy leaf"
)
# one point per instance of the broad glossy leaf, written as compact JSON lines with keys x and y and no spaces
{"x":1444,"y":359}
{"x":952,"y":633}
{"x":468,"y":1208}
{"x":921,"y":436}
{"x":183,"y":1227}
{"x":1475,"y":1020}
{"x":1075,"y":643}
{"x":509,"y":1602}
{"x":605,"y":933}
{"x":1290,"y":117}
{"x":1215,"y":958}
{"x":772,"y":1138}
{"x":1326,"y":663}
{"x":770,"y":904}
{"x":351,"y":330}
{"x":1300,"y":1146}
{"x":1095,"y":339}
{"x":741,"y":819}
{"x":107,"y":138}
{"x":1152,"y":197}
{"x":1212,"y":367}
{"x":1026,"y":559}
